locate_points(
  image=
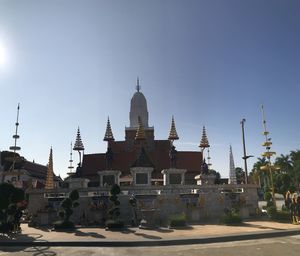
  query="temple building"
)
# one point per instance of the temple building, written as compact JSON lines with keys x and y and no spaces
{"x":24,"y":174}
{"x":140,"y":158}
{"x":15,"y":169}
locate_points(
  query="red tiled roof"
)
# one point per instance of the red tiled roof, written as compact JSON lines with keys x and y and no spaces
{"x":123,"y":160}
{"x":36,"y":170}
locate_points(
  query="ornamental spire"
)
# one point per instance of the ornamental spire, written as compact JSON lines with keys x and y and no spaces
{"x":232,"y":175}
{"x":268,"y":154}
{"x":108,"y":133}
{"x":138,"y":87}
{"x":140,"y":133}
{"x":71,"y":161}
{"x":78,"y":146}
{"x":15,"y":148}
{"x":78,"y":143}
{"x":204,"y":141}
{"x":209,"y":164}
{"x":50,"y":176}
{"x":173,"y":133}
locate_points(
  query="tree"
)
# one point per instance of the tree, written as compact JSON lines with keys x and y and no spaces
{"x":114,"y":220}
{"x":285,"y":163}
{"x":260,"y":177}
{"x":240,"y":175}
{"x":12,"y":203}
{"x":284,"y":179}
{"x":217,"y":174}
{"x":66,"y":211}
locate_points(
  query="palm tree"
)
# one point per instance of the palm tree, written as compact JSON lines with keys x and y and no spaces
{"x":295,"y":158}
{"x":285,"y":163}
{"x":295,"y":155}
{"x":260,"y":177}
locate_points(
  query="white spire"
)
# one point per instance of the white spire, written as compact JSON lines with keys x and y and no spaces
{"x":232,"y":175}
{"x":138,"y":108}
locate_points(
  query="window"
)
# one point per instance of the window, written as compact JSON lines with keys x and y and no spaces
{"x":108,"y":180}
{"x":175,"y":178}
{"x":141,"y":178}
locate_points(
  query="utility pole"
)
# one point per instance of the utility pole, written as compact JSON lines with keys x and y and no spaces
{"x":245,"y":157}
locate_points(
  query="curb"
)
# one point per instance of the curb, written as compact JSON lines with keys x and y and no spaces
{"x":165,"y":242}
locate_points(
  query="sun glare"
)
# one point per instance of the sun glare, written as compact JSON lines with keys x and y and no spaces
{"x":3,"y":57}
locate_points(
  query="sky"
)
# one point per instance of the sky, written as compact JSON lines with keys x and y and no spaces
{"x":73,"y":63}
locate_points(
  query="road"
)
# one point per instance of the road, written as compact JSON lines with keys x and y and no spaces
{"x":275,"y":246}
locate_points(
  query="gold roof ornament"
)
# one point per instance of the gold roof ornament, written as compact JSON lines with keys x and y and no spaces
{"x":50,"y":176}
{"x":140,"y":133}
{"x":108,"y":133}
{"x":78,"y":143}
{"x":173,"y":133}
{"x":204,"y":141}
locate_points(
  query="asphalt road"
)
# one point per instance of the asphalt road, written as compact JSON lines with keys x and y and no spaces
{"x":289,"y":245}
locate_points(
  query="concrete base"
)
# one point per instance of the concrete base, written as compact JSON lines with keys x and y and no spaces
{"x":75,"y":183}
{"x":204,"y":179}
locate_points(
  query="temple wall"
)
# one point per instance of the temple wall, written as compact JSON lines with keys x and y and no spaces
{"x":198,"y":203}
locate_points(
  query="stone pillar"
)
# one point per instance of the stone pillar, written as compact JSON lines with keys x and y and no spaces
{"x":173,"y":171}
{"x":114,"y":173}
{"x":204,"y":179}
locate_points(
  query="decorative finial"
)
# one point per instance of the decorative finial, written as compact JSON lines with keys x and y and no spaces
{"x":208,"y":159}
{"x":50,"y":176}
{"x":15,"y":148}
{"x":204,"y":141}
{"x":108,"y":133}
{"x":138,"y":87}
{"x":140,"y":133}
{"x":268,"y":154}
{"x":78,"y":146}
{"x":71,"y":160}
{"x":173,"y":133}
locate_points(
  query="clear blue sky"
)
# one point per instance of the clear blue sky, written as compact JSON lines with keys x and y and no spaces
{"x":207,"y":62}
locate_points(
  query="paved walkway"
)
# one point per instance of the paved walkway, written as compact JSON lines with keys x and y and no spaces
{"x":140,"y":237}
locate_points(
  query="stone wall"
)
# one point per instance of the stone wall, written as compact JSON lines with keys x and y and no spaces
{"x":198,"y":203}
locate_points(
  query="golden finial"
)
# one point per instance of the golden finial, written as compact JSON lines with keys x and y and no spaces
{"x":108,"y":133}
{"x":140,"y":133}
{"x":50,"y":176}
{"x":173,"y":133}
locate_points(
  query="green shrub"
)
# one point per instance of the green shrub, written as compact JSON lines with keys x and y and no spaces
{"x":280,"y":216}
{"x":177,"y":220}
{"x":66,"y":210}
{"x":61,"y":225}
{"x":114,"y":211}
{"x":231,"y":217}
{"x":271,"y":210}
{"x":114,"y":224}
{"x":12,"y":203}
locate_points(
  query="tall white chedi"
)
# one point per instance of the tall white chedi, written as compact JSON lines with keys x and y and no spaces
{"x":138,"y":108}
{"x":232,"y":175}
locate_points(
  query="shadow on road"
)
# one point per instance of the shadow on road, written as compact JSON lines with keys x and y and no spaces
{"x":147,"y":236}
{"x":8,"y":242}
